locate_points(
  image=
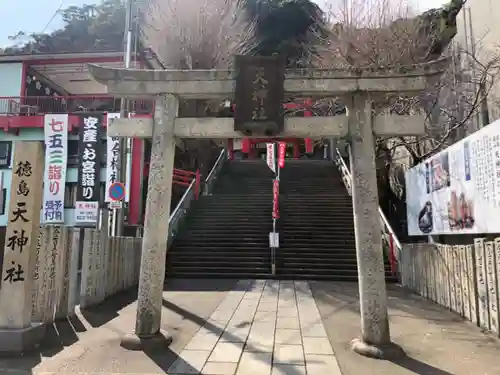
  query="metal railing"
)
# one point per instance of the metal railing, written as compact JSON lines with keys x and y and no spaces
{"x":37,"y":105}
{"x":182,"y":208}
{"x":390,"y":238}
{"x":214,"y":173}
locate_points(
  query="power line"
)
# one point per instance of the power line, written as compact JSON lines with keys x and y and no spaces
{"x":53,"y":16}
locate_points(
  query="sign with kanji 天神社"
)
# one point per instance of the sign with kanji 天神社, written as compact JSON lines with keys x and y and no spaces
{"x":259,"y":94}
{"x":56,"y":156}
{"x":21,"y":235}
{"x":89,"y":182}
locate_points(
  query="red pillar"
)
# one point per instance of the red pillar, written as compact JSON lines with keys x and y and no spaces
{"x":309,"y":145}
{"x":136,"y":177}
{"x":245,"y":145}
{"x":296,"y":149}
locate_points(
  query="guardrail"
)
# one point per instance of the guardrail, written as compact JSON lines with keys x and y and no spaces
{"x":390,"y":238}
{"x":185,"y":178}
{"x":190,"y":194}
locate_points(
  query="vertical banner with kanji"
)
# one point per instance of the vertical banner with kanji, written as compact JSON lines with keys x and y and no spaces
{"x":271,"y":156}
{"x":56,"y":155}
{"x":276,"y":195}
{"x":281,"y":154}
{"x":89,"y":181}
{"x":112,"y":158}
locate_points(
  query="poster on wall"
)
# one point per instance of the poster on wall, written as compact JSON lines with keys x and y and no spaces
{"x":89,"y":168}
{"x":56,"y":156}
{"x":457,"y":191}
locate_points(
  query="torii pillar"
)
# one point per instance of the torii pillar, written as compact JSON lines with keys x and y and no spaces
{"x":359,"y":89}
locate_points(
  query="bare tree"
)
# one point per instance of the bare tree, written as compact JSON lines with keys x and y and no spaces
{"x":196,"y":34}
{"x":369,"y":34}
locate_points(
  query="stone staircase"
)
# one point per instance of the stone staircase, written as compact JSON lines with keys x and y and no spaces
{"x":227,"y":234}
{"x":316,"y":225}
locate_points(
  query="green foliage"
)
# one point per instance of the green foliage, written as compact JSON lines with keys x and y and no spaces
{"x":89,"y":28}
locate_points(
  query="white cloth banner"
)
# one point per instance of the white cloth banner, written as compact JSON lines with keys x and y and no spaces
{"x":112,"y":158}
{"x":457,"y":191}
{"x":56,"y":158}
{"x":270,"y":156}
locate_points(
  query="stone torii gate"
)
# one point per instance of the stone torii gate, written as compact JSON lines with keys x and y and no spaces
{"x":359,"y":90}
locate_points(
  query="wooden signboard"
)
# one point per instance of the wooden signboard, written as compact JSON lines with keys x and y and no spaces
{"x":259,"y":95}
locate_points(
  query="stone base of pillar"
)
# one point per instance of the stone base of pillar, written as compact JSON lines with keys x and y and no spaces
{"x":21,"y":340}
{"x":134,"y":342}
{"x":387,"y":351}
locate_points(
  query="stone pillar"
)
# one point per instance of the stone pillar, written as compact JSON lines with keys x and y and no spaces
{"x":375,"y":338}
{"x":17,"y":332}
{"x":154,"y":245}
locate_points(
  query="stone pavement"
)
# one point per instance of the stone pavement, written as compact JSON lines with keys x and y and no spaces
{"x":256,"y":327}
{"x":270,"y":328}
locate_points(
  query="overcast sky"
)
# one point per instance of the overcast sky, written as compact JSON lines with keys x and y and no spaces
{"x":36,"y":15}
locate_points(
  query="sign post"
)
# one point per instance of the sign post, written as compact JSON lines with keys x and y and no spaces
{"x":116,"y":193}
{"x":275,"y":167}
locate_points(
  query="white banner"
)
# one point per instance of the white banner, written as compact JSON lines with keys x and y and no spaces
{"x":457,"y":191}
{"x":112,"y":158}
{"x":56,"y":157}
{"x":270,"y":156}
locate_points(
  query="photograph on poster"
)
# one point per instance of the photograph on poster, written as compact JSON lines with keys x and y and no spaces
{"x":457,"y":191}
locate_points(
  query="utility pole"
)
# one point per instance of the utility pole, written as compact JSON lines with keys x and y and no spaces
{"x":124,"y":112}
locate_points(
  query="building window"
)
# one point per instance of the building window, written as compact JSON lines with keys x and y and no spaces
{"x":3,"y":201}
{"x":5,"y":154}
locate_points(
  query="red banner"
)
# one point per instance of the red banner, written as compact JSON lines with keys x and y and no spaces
{"x":276,"y":195}
{"x":281,"y":154}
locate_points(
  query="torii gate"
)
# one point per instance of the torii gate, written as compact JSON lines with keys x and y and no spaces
{"x":359,"y":88}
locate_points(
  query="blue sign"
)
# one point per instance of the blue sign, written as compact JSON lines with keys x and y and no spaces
{"x":117,"y":191}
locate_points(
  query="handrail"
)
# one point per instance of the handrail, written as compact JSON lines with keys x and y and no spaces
{"x":346,"y":177}
{"x":222,"y":153}
{"x":212,"y":176}
{"x":187,"y":198}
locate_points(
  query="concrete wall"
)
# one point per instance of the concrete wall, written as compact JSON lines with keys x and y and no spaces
{"x":36,"y":134}
{"x":485,"y":37}
{"x":11,"y":79}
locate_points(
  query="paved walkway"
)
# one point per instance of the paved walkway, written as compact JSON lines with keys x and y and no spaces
{"x":261,"y":327}
{"x":267,"y":328}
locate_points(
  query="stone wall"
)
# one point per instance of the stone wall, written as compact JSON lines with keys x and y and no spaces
{"x":462,"y":278}
{"x":108,"y":265}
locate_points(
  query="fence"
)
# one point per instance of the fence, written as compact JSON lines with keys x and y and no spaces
{"x":108,"y":265}
{"x":462,"y":278}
